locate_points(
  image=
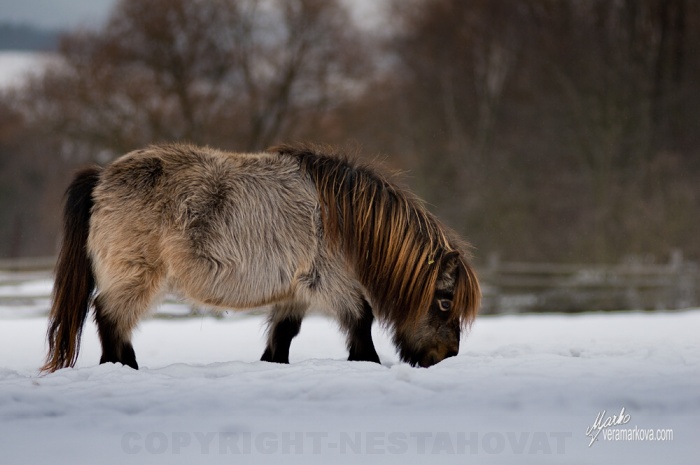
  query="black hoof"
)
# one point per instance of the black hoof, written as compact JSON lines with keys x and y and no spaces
{"x":268,"y":356}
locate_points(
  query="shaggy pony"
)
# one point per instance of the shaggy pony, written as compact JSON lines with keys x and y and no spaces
{"x":291,"y":228}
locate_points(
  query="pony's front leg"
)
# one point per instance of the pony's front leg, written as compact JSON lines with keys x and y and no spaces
{"x":359,"y":330}
{"x":283,"y":325}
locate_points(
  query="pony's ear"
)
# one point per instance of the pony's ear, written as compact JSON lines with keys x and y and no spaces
{"x":449,"y":263}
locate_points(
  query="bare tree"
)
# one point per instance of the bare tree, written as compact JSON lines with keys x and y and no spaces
{"x":30,"y":178}
{"x":238,"y":74}
{"x":234,"y":73}
{"x":456,"y":62}
{"x":543,"y":129}
{"x":550,"y":129}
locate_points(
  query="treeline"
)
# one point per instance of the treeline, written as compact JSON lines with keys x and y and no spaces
{"x":555,"y":130}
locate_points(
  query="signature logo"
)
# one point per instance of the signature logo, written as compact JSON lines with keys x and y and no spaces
{"x":602,"y":422}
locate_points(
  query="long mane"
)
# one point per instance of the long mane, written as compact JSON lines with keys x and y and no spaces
{"x":394,"y":244}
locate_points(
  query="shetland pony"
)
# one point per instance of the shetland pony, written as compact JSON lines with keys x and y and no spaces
{"x":292,"y":228}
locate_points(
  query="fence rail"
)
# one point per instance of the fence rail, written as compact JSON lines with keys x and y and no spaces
{"x":512,"y":287}
{"x":10,"y":265}
{"x":541,"y":287}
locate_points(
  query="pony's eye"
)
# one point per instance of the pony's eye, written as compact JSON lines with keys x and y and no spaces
{"x":445,"y":305}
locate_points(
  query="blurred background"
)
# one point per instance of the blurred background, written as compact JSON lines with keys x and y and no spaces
{"x":560,"y":137}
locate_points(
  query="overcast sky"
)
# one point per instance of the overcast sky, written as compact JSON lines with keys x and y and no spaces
{"x":55,"y":14}
{"x":66,"y":14}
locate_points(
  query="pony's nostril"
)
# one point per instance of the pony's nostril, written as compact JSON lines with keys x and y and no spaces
{"x":429,"y":360}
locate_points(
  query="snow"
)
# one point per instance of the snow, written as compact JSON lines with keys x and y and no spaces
{"x":16,"y":66}
{"x":523,"y":389}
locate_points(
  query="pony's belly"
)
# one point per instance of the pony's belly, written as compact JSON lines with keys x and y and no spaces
{"x":233,"y":286}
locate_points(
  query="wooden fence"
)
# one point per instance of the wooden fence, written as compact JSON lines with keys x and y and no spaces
{"x":510,"y":287}
{"x":30,"y":264}
{"x":539,"y":287}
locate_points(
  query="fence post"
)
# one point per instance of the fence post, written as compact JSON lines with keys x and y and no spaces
{"x":686,"y":277}
{"x":491,"y":303}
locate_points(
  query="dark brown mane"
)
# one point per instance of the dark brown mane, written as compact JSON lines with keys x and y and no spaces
{"x":393,"y":243}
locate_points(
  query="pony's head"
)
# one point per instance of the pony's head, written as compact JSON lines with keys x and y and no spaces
{"x":433,"y":333}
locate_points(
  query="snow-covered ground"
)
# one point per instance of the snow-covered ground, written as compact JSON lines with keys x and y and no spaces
{"x":524,"y":389}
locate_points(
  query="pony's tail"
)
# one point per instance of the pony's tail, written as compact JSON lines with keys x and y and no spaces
{"x":74,"y":281}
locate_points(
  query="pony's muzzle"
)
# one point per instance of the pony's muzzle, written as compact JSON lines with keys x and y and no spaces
{"x":434,"y":356}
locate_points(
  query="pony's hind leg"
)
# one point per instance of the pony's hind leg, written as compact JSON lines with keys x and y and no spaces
{"x":283,"y":325}
{"x":359,"y":331}
{"x":116,"y":345}
{"x":117,"y":312}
